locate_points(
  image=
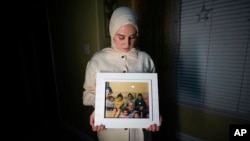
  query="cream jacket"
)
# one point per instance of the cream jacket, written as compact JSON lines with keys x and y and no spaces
{"x":112,"y":60}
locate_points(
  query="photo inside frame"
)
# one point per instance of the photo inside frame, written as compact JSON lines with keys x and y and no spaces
{"x":126,"y":100}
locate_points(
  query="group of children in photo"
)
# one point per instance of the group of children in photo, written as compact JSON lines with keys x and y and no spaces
{"x":129,"y":108}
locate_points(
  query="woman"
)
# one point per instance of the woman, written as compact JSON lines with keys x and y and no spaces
{"x":122,"y":56}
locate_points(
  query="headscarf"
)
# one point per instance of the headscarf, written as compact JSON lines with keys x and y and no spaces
{"x":121,"y":16}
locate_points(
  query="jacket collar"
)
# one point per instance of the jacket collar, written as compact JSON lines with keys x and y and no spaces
{"x":132,"y":53}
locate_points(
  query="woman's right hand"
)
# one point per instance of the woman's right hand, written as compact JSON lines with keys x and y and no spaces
{"x":92,"y":121}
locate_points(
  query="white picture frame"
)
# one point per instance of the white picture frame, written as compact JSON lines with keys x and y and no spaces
{"x":124,"y":83}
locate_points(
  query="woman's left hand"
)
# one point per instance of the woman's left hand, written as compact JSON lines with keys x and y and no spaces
{"x":154,"y":127}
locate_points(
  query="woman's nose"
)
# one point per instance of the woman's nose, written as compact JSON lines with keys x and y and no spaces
{"x":127,"y":42}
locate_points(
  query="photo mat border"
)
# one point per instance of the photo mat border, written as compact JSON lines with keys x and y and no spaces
{"x":152,"y":80}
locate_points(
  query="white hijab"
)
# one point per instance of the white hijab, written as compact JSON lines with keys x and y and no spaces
{"x":121,"y":16}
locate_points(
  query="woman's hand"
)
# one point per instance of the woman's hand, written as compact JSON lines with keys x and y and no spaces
{"x":154,"y":127}
{"x":92,"y":121}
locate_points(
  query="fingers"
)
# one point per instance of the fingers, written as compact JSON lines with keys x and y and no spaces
{"x":160,"y":119}
{"x":91,"y":122}
{"x":98,"y":128}
{"x":153,"y":128}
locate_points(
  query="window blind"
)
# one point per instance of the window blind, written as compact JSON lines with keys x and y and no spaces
{"x":213,"y":65}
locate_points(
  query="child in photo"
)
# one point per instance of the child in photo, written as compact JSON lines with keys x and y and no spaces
{"x":129,"y":99}
{"x":124,"y":113}
{"x":110,"y":103}
{"x":143,"y":111}
{"x":118,"y":105}
{"x":140,"y":102}
{"x":136,"y":115}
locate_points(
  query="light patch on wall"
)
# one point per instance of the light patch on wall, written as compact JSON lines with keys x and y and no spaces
{"x":86,"y":49}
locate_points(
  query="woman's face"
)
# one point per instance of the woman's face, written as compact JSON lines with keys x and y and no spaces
{"x":125,"y":38}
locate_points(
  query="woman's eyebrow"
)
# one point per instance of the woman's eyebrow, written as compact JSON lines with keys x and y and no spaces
{"x":134,"y":34}
{"x":119,"y":34}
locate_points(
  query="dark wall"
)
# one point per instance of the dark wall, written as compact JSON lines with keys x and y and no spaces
{"x":39,"y":94}
{"x":38,"y":108}
{"x":152,"y":39}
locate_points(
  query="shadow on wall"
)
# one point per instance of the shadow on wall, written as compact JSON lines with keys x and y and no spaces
{"x":39,"y":117}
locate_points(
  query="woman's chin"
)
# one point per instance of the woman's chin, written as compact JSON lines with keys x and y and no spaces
{"x":126,"y":50}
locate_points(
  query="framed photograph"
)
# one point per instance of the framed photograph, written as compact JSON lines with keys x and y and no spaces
{"x":126,"y":100}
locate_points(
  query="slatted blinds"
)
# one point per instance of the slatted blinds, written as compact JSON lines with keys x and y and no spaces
{"x":213,"y":65}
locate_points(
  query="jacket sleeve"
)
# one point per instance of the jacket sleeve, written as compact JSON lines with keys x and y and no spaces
{"x":147,"y":62}
{"x":152,"y":66}
{"x":89,"y":86}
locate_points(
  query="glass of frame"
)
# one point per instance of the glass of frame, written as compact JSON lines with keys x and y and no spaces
{"x":113,"y":90}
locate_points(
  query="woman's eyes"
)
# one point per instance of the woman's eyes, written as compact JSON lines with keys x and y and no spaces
{"x":121,"y":37}
{"x":132,"y":37}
